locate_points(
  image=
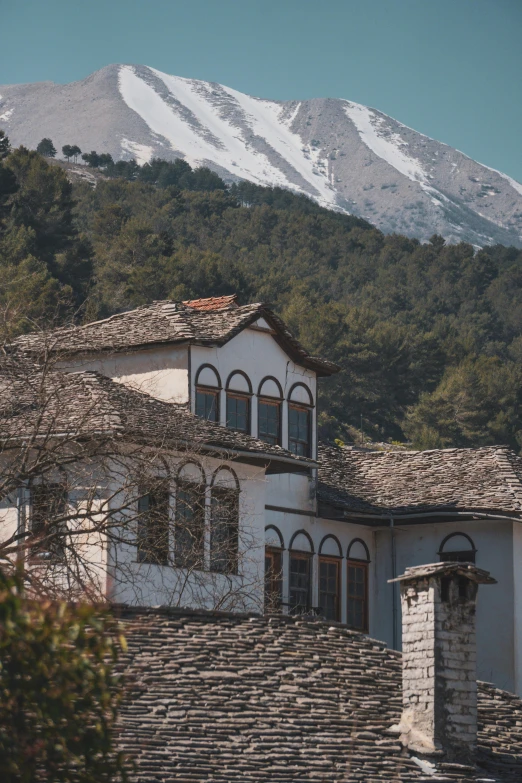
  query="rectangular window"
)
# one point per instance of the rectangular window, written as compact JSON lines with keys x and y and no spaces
{"x":299,"y":430}
{"x":189,"y":540}
{"x":300,"y":567}
{"x":273,"y":580}
{"x":224,"y":530}
{"x":153,"y":525}
{"x":269,"y":417}
{"x":358,"y":596}
{"x":207,"y":404}
{"x":238,"y":412}
{"x":329,"y":581}
{"x":47,"y":526}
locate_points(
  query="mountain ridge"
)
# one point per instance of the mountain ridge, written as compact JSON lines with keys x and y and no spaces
{"x":346,"y":156}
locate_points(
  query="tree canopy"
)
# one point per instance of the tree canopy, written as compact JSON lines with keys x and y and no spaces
{"x":46,"y":148}
{"x":428,"y":336}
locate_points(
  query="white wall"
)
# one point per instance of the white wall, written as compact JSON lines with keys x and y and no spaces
{"x":161,"y":371}
{"x":151,"y":585}
{"x":419,"y":544}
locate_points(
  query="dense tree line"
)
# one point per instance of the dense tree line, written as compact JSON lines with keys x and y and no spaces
{"x":429,"y":337}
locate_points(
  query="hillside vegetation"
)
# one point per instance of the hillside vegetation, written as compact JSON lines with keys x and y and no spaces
{"x":429,"y":337}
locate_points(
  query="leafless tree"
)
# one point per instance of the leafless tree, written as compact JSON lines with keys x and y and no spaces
{"x":105,"y":493}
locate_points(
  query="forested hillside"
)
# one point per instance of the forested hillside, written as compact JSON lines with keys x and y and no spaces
{"x":429,"y":337}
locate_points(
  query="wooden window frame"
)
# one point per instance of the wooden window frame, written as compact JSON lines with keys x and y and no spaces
{"x":274,"y":580}
{"x":275,"y":404}
{"x":51,"y":551}
{"x":364,"y":564}
{"x":308,"y":410}
{"x":208,"y":390}
{"x":237,"y":395}
{"x":338,"y":561}
{"x":297,"y":555}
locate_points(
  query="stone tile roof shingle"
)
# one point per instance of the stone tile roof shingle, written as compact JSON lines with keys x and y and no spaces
{"x":487,"y":479}
{"x":88,"y":403}
{"x":172,"y":322}
{"x":230,"y":698}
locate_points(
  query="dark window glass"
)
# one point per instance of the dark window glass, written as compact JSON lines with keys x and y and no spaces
{"x":273,"y":580}
{"x":238,"y":412}
{"x":189,"y":538}
{"x":458,"y":557}
{"x":329,"y":588}
{"x":269,"y":415}
{"x":358,"y":596}
{"x":207,"y":404}
{"x":153,"y":525}
{"x":224,"y":531}
{"x":299,"y":430}
{"x":48,"y":527}
{"x":300,"y":583}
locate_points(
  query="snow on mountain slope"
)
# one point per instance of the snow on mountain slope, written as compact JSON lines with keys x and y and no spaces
{"x":345,"y":156}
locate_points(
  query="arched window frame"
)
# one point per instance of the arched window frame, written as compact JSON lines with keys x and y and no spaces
{"x":329,"y":573}
{"x":203,"y":394}
{"x":297,"y":443}
{"x":154,"y":516}
{"x":232,"y":399}
{"x":189,"y":545}
{"x":300,"y":575}
{"x":224,"y":532}
{"x":458,"y":556}
{"x":267,"y":406}
{"x":357,"y":609}
{"x":274,"y":572}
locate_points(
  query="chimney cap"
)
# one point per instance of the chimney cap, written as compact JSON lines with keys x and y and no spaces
{"x":468,"y":570}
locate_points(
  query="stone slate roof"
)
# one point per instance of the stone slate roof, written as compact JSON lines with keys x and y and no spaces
{"x":169,"y":322}
{"x":380,"y":483}
{"x":235,"y":698}
{"x":88,"y":403}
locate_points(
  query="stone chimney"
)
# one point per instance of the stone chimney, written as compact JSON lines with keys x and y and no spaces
{"x":439,"y":670}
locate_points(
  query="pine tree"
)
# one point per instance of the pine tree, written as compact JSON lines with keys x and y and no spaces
{"x":5,"y":146}
{"x":46,"y":148}
{"x":75,"y":151}
{"x":68,"y":151}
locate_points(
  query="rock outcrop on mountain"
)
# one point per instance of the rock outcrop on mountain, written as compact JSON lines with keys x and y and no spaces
{"x":345,"y":156}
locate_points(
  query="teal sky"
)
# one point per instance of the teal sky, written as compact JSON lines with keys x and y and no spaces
{"x":449,"y":68}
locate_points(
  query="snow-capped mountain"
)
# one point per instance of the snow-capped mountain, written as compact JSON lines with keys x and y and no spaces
{"x":344,"y":155}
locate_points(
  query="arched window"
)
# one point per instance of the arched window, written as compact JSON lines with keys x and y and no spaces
{"x":458,"y":548}
{"x":357,"y":583}
{"x":189,"y":532}
{"x":48,"y":525}
{"x":300,"y":403}
{"x":154,"y":521}
{"x":330,"y":558}
{"x":224,"y":522}
{"x":301,"y":552}
{"x":274,"y":545}
{"x":208,"y":385}
{"x":239,"y":394}
{"x":270,"y":396}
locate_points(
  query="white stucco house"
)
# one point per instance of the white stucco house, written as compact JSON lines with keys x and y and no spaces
{"x":330,"y":525}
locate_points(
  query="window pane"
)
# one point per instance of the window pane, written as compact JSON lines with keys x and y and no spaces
{"x":329,"y":589}
{"x":299,"y":583}
{"x":357,"y":596}
{"x":224,"y":531}
{"x":268,"y":421}
{"x":238,"y":413}
{"x":273,"y":581}
{"x":190,"y":522}
{"x":207,"y":404}
{"x":299,"y":430}
{"x":153,"y":526}
{"x":48,"y":504}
